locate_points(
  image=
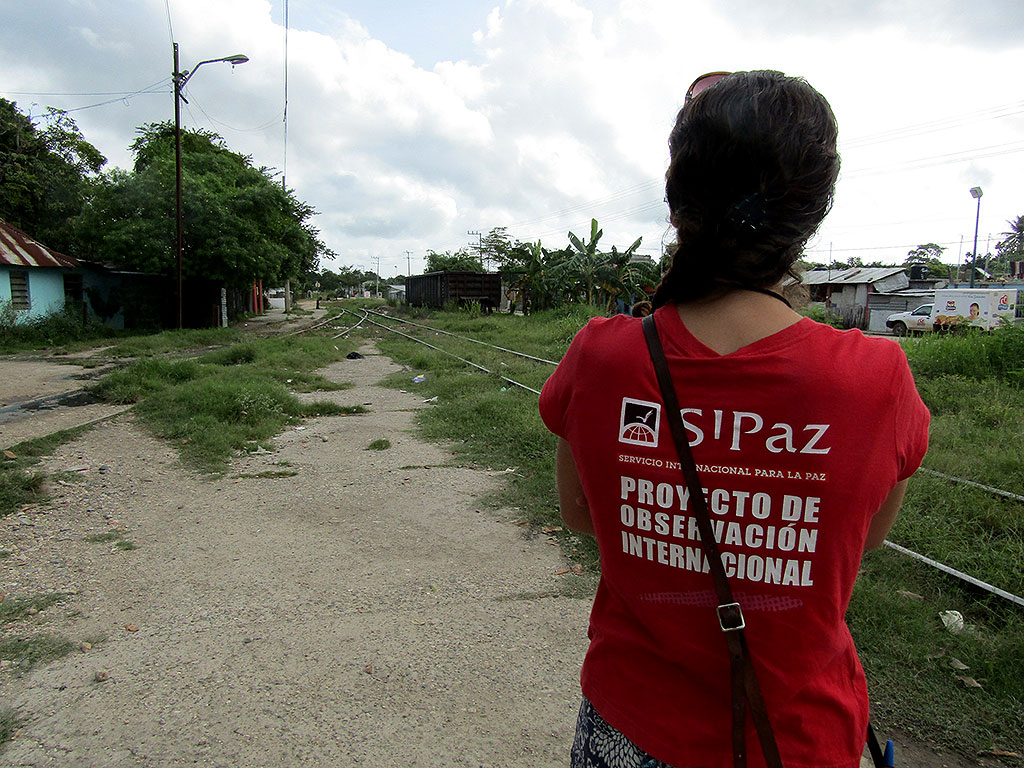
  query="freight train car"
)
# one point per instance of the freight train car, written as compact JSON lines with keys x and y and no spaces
{"x":435,"y":289}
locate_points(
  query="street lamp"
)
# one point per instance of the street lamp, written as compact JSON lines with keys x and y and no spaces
{"x":180,"y":78}
{"x":976,"y":194}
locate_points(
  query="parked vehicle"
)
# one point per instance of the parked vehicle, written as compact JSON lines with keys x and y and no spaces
{"x":985,"y":308}
{"x":919,"y":319}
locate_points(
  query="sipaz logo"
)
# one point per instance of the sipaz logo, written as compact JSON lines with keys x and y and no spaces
{"x":639,"y":422}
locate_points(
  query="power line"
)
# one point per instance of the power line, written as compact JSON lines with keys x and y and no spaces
{"x":151,"y":89}
{"x":170,"y":29}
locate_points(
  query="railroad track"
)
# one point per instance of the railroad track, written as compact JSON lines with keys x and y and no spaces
{"x":366,"y":317}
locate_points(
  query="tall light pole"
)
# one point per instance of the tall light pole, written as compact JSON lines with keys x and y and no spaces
{"x":180,"y":78}
{"x":976,"y":194}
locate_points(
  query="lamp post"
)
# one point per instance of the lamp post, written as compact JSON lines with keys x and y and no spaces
{"x":976,"y":194}
{"x":180,"y":79}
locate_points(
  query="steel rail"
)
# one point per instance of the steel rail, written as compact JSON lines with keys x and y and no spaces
{"x":959,"y":574}
{"x":350,"y":329}
{"x":973,"y":484}
{"x":464,"y":338}
{"x":450,"y":354}
{"x":310,"y":328}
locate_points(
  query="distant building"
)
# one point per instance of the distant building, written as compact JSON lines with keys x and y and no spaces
{"x":863,"y":297}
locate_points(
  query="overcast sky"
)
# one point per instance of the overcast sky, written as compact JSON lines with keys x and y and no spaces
{"x":412,"y":123}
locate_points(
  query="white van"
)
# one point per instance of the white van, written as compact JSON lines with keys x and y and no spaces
{"x":985,"y":308}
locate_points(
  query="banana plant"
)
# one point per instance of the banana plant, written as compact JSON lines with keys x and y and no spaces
{"x":586,"y":258}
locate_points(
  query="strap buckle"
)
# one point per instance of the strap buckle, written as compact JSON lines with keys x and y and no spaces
{"x":730,"y":617}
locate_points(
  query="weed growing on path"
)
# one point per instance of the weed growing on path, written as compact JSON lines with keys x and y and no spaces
{"x":9,"y":722}
{"x":27,"y":652}
{"x":228,"y":400}
{"x":19,"y":484}
{"x":379,"y":445}
{"x":16,"y":608}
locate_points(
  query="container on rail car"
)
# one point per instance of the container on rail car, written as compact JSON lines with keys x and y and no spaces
{"x":435,"y":289}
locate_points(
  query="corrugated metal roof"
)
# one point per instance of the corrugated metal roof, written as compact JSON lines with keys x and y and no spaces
{"x":854,"y":276}
{"x":19,"y":250}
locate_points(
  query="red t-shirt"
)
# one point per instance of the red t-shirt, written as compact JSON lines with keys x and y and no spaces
{"x":798,"y":437}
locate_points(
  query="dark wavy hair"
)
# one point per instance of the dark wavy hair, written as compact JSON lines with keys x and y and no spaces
{"x":752,"y":173}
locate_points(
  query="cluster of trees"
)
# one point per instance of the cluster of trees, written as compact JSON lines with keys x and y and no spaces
{"x":239,"y":223}
{"x":539,"y":278}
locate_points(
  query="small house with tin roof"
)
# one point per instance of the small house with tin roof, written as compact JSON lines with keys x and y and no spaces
{"x":35,"y":279}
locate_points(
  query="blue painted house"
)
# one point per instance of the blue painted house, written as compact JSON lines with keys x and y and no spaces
{"x":35,"y":280}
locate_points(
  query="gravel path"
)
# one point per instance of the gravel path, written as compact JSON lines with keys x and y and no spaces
{"x":367,"y":611}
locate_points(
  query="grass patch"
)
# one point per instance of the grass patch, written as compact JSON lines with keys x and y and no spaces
{"x":100,"y":538}
{"x":379,"y":445}
{"x":167,"y":342}
{"x":14,"y":609}
{"x":27,"y":652}
{"x":19,"y":483}
{"x":228,"y":400}
{"x":973,"y":386}
{"x":267,"y":474}
{"x":5,"y":553}
{"x":125,"y":546}
{"x":9,"y":722}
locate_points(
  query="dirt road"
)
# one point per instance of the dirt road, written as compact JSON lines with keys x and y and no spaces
{"x":364,"y":611}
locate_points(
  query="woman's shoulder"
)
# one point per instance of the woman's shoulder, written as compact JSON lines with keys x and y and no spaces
{"x":853,"y":340}
{"x":853,"y":353}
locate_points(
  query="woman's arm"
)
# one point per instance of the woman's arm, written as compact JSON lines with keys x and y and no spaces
{"x":571,"y":500}
{"x":886,"y":516}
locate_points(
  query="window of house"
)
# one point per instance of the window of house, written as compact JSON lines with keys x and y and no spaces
{"x":19,"y":289}
{"x":72,"y":287}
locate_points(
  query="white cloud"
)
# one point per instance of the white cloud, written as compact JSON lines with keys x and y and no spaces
{"x":563,"y":103}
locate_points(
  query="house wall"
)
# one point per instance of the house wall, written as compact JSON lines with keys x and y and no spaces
{"x":103,"y":296}
{"x":45,"y":290}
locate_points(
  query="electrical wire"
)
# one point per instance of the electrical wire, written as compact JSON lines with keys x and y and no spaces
{"x":150,"y":89}
{"x":170,"y":29}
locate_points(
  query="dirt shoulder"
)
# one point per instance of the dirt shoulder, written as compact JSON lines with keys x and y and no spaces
{"x":365,"y":611}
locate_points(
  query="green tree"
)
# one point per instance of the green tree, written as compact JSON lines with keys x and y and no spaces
{"x":239,"y":224}
{"x":1010,"y":248}
{"x":45,"y":174}
{"x":928,"y":255}
{"x":460,"y":261}
{"x":496,"y":246}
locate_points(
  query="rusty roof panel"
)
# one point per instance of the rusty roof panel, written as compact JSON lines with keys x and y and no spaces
{"x":19,"y":250}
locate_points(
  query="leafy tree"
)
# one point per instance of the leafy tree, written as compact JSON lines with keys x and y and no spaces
{"x":45,"y":174}
{"x":928,"y":255}
{"x":460,"y":261}
{"x":239,"y":224}
{"x":496,"y":246}
{"x":1010,"y":248}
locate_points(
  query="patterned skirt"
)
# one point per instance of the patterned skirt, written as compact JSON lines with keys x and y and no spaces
{"x":598,"y":745}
